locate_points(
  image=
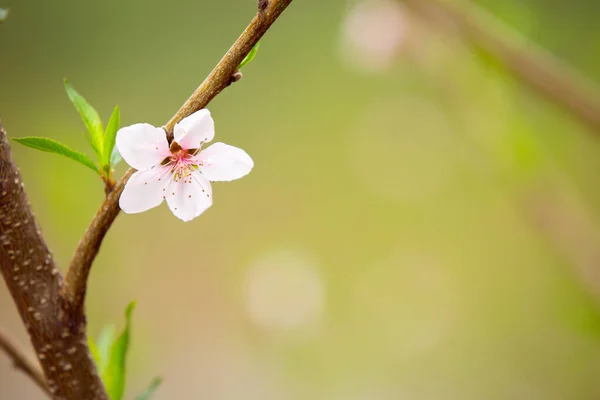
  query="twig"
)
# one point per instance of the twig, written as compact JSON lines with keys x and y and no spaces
{"x":220,"y":77}
{"x":531,"y":64}
{"x":22,"y":362}
{"x":75,"y":285}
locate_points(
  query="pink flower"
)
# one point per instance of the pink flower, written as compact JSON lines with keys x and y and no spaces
{"x":180,"y":173}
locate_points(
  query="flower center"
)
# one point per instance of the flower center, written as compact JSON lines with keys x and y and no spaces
{"x":182,"y":162}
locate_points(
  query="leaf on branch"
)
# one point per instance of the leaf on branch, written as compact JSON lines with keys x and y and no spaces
{"x":101,"y":349}
{"x":3,"y":14}
{"x":94,"y":352}
{"x":250,"y":55}
{"x":114,"y":374}
{"x":146,"y":394}
{"x":52,"y":146}
{"x":110,"y":355}
{"x":115,"y":158}
{"x":110,"y":137}
{"x":90,"y":118}
{"x":90,"y":141}
{"x":105,"y":341}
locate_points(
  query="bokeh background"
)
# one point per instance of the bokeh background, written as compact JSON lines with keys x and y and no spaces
{"x":419,"y":225}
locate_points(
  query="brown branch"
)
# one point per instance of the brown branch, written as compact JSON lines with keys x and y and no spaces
{"x":53,"y":310}
{"x":22,"y":362}
{"x":220,"y":77}
{"x":57,"y":334}
{"x":75,"y":285}
{"x":224,"y":74}
{"x":532,"y":65}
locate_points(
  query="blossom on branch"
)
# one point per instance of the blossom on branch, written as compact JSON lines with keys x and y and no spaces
{"x":180,"y":173}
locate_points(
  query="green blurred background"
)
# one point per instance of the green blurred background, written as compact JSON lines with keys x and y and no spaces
{"x":418,"y":224}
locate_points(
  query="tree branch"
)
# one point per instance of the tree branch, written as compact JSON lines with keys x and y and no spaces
{"x":75,"y":284}
{"x":33,"y":280}
{"x":53,"y":310}
{"x":529,"y":63}
{"x":221,"y":76}
{"x":22,"y":362}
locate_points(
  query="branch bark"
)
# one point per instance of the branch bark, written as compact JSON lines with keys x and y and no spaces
{"x":52,"y":309}
{"x":22,"y":362}
{"x":533,"y":66}
{"x":220,"y":78}
{"x":80,"y":266}
{"x":57,"y":334}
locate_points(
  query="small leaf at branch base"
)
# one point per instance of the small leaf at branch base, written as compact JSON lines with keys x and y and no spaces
{"x":115,"y":158}
{"x":52,"y":146}
{"x":110,"y":137}
{"x":101,"y":349}
{"x":250,"y":55}
{"x":146,"y":394}
{"x":94,"y":352}
{"x":90,"y":118}
{"x":3,"y":14}
{"x":114,"y":376}
{"x":105,"y":341}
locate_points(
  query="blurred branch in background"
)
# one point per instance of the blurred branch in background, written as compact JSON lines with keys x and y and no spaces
{"x":558,"y":211}
{"x":569,"y":225}
{"x":22,"y":362}
{"x":532,"y":65}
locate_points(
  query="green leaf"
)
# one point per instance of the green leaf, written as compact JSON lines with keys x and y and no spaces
{"x":52,"y":146}
{"x":250,"y":55}
{"x":114,"y":375}
{"x":90,"y":118}
{"x":146,"y":394}
{"x":105,"y":341}
{"x":94,"y":350}
{"x":110,"y":136}
{"x":102,"y":348}
{"x":115,"y":158}
{"x":92,"y":144}
{"x":3,"y":14}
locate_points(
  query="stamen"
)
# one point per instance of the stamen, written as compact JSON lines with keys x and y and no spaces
{"x":175,"y":147}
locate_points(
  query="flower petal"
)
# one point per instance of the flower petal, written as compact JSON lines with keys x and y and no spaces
{"x":189,"y":196}
{"x":142,"y":145}
{"x":222,"y":162}
{"x":144,"y":190}
{"x":194,"y":130}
